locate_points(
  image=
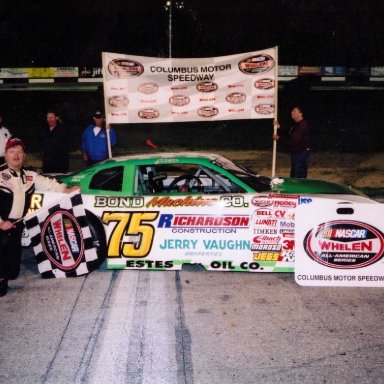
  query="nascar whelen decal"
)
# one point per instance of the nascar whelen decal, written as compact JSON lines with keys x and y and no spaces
{"x":62,"y":240}
{"x":344,"y":244}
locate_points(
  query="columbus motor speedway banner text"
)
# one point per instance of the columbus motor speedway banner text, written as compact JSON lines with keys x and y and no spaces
{"x":140,"y":89}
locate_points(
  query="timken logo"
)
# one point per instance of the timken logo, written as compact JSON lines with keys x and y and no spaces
{"x":344,"y":244}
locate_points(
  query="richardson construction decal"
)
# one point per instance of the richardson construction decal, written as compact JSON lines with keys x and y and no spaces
{"x":345,"y":249}
{"x":141,"y":89}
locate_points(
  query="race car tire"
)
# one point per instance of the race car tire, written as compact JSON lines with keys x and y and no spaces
{"x":98,"y":236}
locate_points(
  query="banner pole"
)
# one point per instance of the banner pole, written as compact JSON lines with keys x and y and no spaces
{"x":275,"y":121}
{"x":107,"y":124}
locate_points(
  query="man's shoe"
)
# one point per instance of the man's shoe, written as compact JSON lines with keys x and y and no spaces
{"x":3,"y":287}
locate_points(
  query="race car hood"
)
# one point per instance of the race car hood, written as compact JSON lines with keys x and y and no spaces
{"x":311,"y":186}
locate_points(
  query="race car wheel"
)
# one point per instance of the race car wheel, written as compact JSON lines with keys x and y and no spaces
{"x":187,"y":178}
{"x":98,"y":236}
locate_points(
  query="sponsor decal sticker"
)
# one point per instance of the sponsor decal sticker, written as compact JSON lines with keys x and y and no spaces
{"x":5,"y":176}
{"x":62,"y":240}
{"x":344,"y":244}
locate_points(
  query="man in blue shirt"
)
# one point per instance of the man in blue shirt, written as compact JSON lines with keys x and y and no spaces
{"x":94,"y":144}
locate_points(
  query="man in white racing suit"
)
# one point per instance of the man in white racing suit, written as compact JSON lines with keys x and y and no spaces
{"x":17,"y":184}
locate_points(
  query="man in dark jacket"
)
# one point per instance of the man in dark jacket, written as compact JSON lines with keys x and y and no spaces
{"x":297,"y":139}
{"x":55,"y":140}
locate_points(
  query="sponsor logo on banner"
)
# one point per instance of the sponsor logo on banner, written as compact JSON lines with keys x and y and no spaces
{"x":236,"y":98}
{"x":125,"y":68}
{"x":256,"y":64}
{"x":62,"y":240}
{"x":179,"y":100}
{"x":148,"y":113}
{"x":207,"y":86}
{"x":148,"y":88}
{"x":344,"y":244}
{"x":264,"y":83}
{"x":118,"y":101}
{"x":265,"y":109}
{"x":208,"y":111}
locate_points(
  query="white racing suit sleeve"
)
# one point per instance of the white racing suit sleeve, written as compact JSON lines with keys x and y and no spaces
{"x":43,"y":183}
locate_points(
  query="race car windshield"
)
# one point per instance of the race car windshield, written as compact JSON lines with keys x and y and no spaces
{"x":256,"y":182}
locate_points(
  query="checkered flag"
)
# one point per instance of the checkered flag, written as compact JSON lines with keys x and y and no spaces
{"x":61,"y":238}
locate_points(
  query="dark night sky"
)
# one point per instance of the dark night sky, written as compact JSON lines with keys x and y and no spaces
{"x":75,"y":32}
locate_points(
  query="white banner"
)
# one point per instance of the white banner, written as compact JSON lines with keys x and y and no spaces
{"x":140,"y":89}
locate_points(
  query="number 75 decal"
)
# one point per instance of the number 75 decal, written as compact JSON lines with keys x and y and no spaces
{"x":132,"y":235}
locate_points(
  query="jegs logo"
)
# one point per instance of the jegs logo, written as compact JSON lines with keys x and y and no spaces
{"x":148,"y":88}
{"x":256,"y":64}
{"x":148,"y":113}
{"x":125,"y":68}
{"x":344,"y":244}
{"x":207,"y":86}
{"x":264,"y":84}
{"x":179,"y":100}
{"x":207,"y":111}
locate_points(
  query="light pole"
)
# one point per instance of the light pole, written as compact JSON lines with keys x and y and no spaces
{"x":168,"y":7}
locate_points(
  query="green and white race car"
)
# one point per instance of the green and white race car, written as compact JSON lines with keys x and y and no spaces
{"x":165,"y":210}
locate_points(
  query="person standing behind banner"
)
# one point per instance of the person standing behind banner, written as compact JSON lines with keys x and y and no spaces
{"x":297,"y":139}
{"x":94,"y":144}
{"x":55,"y":140}
{"x":17,"y":185}
{"x":5,"y":134}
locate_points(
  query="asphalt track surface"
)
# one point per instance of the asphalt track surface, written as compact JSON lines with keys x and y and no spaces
{"x":188,"y":327}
